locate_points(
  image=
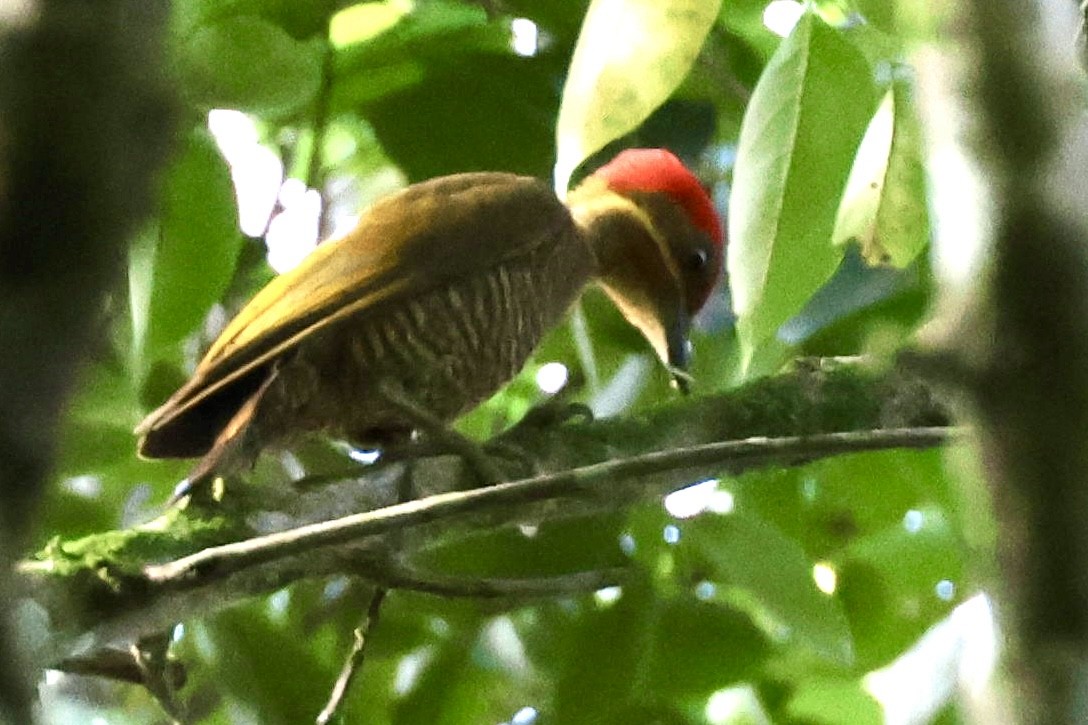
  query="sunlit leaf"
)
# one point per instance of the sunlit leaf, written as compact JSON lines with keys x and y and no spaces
{"x":861,"y":199}
{"x":797,"y":143}
{"x":902,"y":222}
{"x":830,"y":702}
{"x":361,"y":22}
{"x":631,"y":55}
{"x":884,"y":206}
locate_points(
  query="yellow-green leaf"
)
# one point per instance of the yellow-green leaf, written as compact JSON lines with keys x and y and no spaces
{"x":884,"y":206}
{"x":861,"y":200}
{"x":631,"y":55}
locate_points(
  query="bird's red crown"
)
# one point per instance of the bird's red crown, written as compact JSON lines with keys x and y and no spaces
{"x":658,"y":170}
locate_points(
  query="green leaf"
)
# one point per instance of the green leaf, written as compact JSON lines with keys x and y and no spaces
{"x":879,"y":13}
{"x":603,"y":670}
{"x":885,"y":523}
{"x":829,"y":505}
{"x":884,"y":205}
{"x":902,"y":222}
{"x":274,"y":672}
{"x":744,"y":19}
{"x":823,"y":701}
{"x":434,"y":39}
{"x":362,"y":22}
{"x":797,"y":143}
{"x":556,"y":547}
{"x":299,"y":19}
{"x":768,"y":575}
{"x":889,"y":582}
{"x":700,"y":647}
{"x":178,"y":274}
{"x":631,"y":55}
{"x":507,"y":125}
{"x":856,"y":219}
{"x":458,"y":685}
{"x":249,"y":64}
{"x":645,"y":650}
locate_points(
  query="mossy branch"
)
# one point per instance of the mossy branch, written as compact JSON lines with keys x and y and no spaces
{"x":116,"y":586}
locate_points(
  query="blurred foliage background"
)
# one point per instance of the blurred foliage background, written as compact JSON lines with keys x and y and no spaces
{"x":788,"y":589}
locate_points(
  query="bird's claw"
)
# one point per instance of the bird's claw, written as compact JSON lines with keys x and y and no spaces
{"x":681,"y":379}
{"x":510,"y":451}
{"x":551,"y":413}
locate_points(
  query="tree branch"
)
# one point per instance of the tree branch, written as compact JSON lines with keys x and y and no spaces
{"x":609,"y":479}
{"x":115,"y":586}
{"x":398,"y":576}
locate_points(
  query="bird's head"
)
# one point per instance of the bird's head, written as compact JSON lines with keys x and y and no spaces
{"x":658,"y":243}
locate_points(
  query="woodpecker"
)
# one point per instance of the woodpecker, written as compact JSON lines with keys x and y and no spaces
{"x":436,"y":299}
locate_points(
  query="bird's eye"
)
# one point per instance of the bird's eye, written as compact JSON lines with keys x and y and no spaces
{"x":697,"y":260}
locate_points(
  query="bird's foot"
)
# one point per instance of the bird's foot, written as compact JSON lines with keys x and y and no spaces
{"x":439,"y":437}
{"x":516,"y":456}
{"x":513,"y":443}
{"x":551,"y":413}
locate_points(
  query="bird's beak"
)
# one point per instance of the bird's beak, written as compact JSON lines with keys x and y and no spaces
{"x":676,"y":325}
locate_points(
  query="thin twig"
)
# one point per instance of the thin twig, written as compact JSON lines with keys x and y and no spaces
{"x":401,"y":577}
{"x":732,"y":455}
{"x":398,"y":576}
{"x":118,"y":664}
{"x":152,"y":660}
{"x":354,"y":662}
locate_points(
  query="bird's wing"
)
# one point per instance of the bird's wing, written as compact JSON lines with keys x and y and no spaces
{"x":409,"y":243}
